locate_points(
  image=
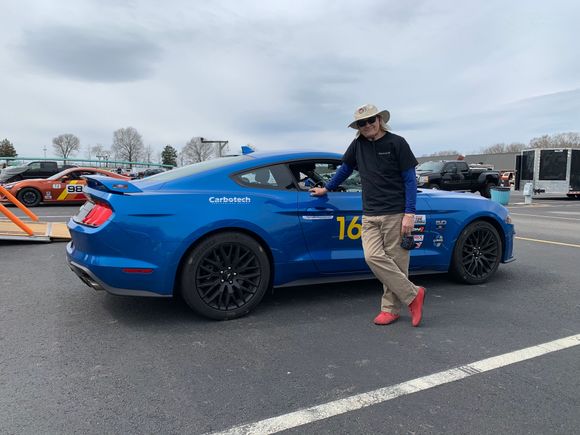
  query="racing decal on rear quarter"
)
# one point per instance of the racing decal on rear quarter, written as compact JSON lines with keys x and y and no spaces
{"x":420,"y":219}
{"x":438,"y":240}
{"x":70,"y":189}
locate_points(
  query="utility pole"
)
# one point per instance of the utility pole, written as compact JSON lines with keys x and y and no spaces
{"x":44,"y":149}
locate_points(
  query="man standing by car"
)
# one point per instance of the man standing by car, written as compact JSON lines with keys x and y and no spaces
{"x":386,"y":166}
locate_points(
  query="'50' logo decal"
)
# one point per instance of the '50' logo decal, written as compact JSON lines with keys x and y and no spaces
{"x":353,"y":231}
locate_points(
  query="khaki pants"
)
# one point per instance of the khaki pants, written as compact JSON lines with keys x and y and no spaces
{"x":381,"y":239}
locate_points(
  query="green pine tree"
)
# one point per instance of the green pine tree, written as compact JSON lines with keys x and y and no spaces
{"x":169,"y":156}
{"x":7,"y":149}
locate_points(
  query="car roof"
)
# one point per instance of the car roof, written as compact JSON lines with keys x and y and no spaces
{"x":291,"y":155}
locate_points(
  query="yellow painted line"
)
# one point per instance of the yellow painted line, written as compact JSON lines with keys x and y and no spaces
{"x":572,"y":245}
{"x":547,"y":217}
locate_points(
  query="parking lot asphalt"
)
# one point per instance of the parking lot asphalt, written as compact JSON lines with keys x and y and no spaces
{"x":76,"y":361}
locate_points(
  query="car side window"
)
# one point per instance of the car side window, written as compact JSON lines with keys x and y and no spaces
{"x":462,"y":167}
{"x":450,"y":168}
{"x":310,"y":174}
{"x":269,"y":177}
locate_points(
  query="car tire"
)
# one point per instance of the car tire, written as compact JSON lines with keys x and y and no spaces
{"x":477,"y":253}
{"x":225,"y":276}
{"x":29,"y":196}
{"x":486,"y":190}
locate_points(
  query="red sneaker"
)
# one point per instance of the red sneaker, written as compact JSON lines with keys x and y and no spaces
{"x":385,"y":318}
{"x":416,"y":307}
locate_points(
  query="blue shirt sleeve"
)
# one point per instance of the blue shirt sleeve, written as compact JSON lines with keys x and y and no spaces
{"x":410,"y":181}
{"x":339,"y":176}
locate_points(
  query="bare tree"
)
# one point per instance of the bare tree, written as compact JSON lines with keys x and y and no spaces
{"x":566,"y":140}
{"x":541,"y":142}
{"x":493,"y":149}
{"x":66,"y":144}
{"x":444,"y":153}
{"x":196,"y":151}
{"x":101,"y":153}
{"x":128,"y":144}
{"x":497,"y":148}
{"x":515,"y":147}
{"x":97,"y":150}
{"x":149,"y":153}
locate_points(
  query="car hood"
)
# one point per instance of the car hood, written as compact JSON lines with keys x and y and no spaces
{"x":445,"y":194}
{"x":11,"y":171}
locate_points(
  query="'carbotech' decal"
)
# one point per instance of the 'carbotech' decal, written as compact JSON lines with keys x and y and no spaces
{"x":229,"y":199}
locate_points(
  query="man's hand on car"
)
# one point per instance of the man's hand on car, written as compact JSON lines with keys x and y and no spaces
{"x":318,"y":191}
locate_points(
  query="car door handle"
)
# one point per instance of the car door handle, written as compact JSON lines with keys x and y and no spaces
{"x":316,"y":217}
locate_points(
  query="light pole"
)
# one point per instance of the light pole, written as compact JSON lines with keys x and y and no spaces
{"x":44,"y":149}
{"x":220,"y":144}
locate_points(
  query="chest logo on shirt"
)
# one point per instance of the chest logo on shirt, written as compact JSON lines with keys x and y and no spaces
{"x":384,"y":153}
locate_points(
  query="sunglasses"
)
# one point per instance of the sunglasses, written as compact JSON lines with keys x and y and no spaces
{"x":366,"y":121}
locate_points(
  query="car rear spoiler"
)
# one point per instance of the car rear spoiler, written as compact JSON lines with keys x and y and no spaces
{"x":112,"y":185}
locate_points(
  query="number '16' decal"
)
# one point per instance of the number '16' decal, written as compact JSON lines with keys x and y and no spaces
{"x":353,"y":231}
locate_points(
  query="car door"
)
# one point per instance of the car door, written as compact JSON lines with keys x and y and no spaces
{"x":450,"y":177}
{"x":331,"y":224}
{"x":70,"y":186}
{"x":463,"y":176}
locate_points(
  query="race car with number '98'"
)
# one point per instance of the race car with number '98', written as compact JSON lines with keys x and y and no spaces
{"x":224,"y":231}
{"x":66,"y":186}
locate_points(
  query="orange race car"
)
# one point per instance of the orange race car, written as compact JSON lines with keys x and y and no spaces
{"x":66,"y":186}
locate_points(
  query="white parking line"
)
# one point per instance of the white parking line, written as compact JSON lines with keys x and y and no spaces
{"x":546,"y":217}
{"x":572,"y":245}
{"x":337,"y":407}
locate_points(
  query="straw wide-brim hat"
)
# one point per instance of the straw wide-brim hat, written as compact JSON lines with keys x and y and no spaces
{"x":367,"y":111}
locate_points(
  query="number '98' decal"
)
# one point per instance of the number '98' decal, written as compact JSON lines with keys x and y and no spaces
{"x":74,"y":188}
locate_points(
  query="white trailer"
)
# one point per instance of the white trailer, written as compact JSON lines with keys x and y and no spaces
{"x":552,"y":170}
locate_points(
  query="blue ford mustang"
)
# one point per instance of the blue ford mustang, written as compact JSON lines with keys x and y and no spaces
{"x":224,"y":231}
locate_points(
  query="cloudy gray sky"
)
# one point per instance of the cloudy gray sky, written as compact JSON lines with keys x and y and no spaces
{"x":288,"y":73}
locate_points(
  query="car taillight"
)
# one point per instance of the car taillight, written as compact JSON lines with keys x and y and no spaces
{"x":98,"y":215}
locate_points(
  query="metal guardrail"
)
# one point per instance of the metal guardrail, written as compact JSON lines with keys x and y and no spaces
{"x":93,"y":162}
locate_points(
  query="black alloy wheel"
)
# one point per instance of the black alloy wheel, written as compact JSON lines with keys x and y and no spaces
{"x":477,"y":253}
{"x":29,"y":196}
{"x":225,"y":276}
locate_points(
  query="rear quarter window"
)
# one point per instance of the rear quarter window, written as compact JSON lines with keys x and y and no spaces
{"x":268,"y":177}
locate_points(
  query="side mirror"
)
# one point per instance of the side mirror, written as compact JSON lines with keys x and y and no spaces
{"x":65,"y":178}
